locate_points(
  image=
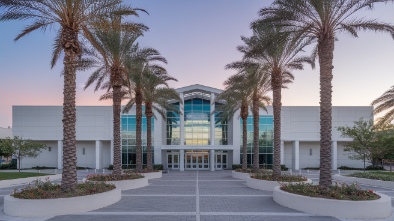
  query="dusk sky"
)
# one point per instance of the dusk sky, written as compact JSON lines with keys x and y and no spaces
{"x":198,"y":38}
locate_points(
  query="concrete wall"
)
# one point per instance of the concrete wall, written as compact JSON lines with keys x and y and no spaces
{"x":47,"y":157}
{"x":5,"y":132}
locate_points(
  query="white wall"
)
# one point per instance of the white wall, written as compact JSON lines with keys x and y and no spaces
{"x":307,"y":160}
{"x":5,"y":132}
{"x":89,"y":158}
{"x":46,"y":158}
{"x":343,"y":158}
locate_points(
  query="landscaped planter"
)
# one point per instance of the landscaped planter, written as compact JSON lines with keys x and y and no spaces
{"x":266,"y":184}
{"x":380,"y":183}
{"x":20,"y":181}
{"x":152,"y":175}
{"x":61,"y":206}
{"x":240,"y":175}
{"x":130,"y":184}
{"x":367,"y":209}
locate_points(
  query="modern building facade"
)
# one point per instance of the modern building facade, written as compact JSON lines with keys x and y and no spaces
{"x":192,"y":140}
{"x":5,"y":132}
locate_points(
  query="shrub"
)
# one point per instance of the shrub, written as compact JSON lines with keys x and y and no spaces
{"x":158,"y":166}
{"x":47,"y":190}
{"x":283,"y":167}
{"x":339,"y":192}
{"x":385,"y":176}
{"x":311,"y":168}
{"x":112,"y":177}
{"x":83,"y":168}
{"x":282,"y":178}
{"x":42,"y":168}
{"x":237,"y":166}
{"x":370,"y":167}
{"x":111,"y":167}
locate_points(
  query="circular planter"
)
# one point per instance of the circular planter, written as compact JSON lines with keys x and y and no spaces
{"x":61,"y":206}
{"x":152,"y":175}
{"x":129,"y":184}
{"x":368,"y":209}
{"x":380,"y":183}
{"x":240,"y":175}
{"x":266,"y":184}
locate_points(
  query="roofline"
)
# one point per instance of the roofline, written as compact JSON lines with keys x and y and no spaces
{"x":198,"y":87}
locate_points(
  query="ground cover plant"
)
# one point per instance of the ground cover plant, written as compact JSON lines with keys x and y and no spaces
{"x":47,"y":190}
{"x":113,"y":177}
{"x":17,"y":175}
{"x":144,"y":170}
{"x":338,"y":191}
{"x":385,"y":176}
{"x":281,"y":178}
{"x":253,"y":170}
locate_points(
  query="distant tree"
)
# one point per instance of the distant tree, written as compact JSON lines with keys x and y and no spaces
{"x":385,"y":142}
{"x":21,"y":148}
{"x":385,"y":103}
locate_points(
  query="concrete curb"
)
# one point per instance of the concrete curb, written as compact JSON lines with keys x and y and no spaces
{"x":152,"y":175}
{"x":21,"y":181}
{"x":60,"y":206}
{"x":380,"y":183}
{"x":240,"y":175}
{"x":266,"y":184}
{"x":368,"y":209}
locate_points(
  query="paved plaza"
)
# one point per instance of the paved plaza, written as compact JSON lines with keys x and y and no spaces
{"x":193,"y":196}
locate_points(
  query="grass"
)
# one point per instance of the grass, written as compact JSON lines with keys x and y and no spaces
{"x":385,"y":176}
{"x":17,"y":175}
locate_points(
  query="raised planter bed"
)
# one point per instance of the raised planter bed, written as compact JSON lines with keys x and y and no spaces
{"x":61,"y":206}
{"x":240,"y":175}
{"x":267,"y":184}
{"x":367,"y":209}
{"x":128,"y":184}
{"x":152,"y":175}
{"x":380,"y":183}
{"x":8,"y":183}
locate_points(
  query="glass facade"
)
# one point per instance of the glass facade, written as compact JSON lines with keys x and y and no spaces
{"x":221,"y":129}
{"x":265,"y":141}
{"x":173,"y":127}
{"x":197,"y":121}
{"x":128,"y":136}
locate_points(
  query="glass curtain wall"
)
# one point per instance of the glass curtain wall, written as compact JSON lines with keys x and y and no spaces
{"x":128,"y":136}
{"x":197,"y":121}
{"x":221,"y":128}
{"x":173,"y":127}
{"x":265,"y":141}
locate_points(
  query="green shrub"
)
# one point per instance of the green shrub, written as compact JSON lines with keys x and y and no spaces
{"x":282,"y":178}
{"x":111,"y":167}
{"x":339,"y":192}
{"x":370,"y":167}
{"x":283,"y":167}
{"x":112,"y":177}
{"x":385,"y":176}
{"x":237,"y":166}
{"x":83,"y":168}
{"x":47,"y":190}
{"x":42,"y":168}
{"x":158,"y":166}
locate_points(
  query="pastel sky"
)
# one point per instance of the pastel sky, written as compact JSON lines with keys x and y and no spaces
{"x":198,"y":38}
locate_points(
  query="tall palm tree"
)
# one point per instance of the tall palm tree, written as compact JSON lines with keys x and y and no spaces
{"x":75,"y":18}
{"x":258,"y":80}
{"x":278,"y":57}
{"x":114,"y":45}
{"x":385,"y":103}
{"x":141,"y":61}
{"x":156,"y":96}
{"x":321,"y":21}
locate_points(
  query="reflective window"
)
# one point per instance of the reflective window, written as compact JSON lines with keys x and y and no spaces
{"x":197,"y":121}
{"x":173,"y":127}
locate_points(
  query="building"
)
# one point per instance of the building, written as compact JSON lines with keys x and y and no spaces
{"x":5,"y":132}
{"x":194,"y":140}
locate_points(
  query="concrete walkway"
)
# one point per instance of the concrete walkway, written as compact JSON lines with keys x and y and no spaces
{"x":194,"y":196}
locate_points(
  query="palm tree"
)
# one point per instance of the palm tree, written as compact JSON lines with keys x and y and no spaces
{"x":278,"y":57}
{"x":385,"y":103}
{"x":113,"y":45}
{"x":258,"y":80}
{"x":156,"y":96}
{"x":321,"y":21}
{"x":75,"y":18}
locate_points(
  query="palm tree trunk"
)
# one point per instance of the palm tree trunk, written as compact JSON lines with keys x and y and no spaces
{"x":71,"y":49}
{"x":149,"y":114}
{"x":276,"y":84}
{"x":244,"y":116}
{"x":326,"y":55}
{"x":138,"y":106}
{"x":255,"y":132}
{"x":116,"y":101}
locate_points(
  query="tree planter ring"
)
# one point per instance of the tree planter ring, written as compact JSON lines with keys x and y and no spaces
{"x":380,"y":183}
{"x":267,"y":184}
{"x":367,"y":209}
{"x":128,"y":184}
{"x":240,"y":175}
{"x":61,"y":206}
{"x":152,"y":175}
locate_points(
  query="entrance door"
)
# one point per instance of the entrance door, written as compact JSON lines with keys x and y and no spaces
{"x":173,"y":160}
{"x":197,"y":160}
{"x":220,"y":160}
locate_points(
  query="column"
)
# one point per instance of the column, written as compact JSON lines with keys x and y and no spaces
{"x":282,"y":152}
{"x":334,"y":155}
{"x":98,"y":154}
{"x":296,"y":155}
{"x":212,"y":124}
{"x":112,"y":152}
{"x":182,"y":120}
{"x":60,"y":154}
{"x":212,"y":160}
{"x":236,"y":137}
{"x":182,"y":160}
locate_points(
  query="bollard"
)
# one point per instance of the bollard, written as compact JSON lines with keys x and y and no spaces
{"x":339,"y":171}
{"x":39,"y":171}
{"x":103,"y":171}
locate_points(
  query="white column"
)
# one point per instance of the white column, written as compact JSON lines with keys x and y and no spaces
{"x":60,"y":154}
{"x":160,"y":133}
{"x":98,"y":154}
{"x":296,"y":155}
{"x":236,"y":137}
{"x":112,"y":152}
{"x":182,"y":160}
{"x":182,"y":120}
{"x":212,"y":160}
{"x":334,"y":155}
{"x":282,"y":152}
{"x":212,"y":129}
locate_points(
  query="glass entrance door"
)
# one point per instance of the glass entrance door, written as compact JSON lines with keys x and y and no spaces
{"x":197,"y":160}
{"x":220,"y":160}
{"x":173,"y":160}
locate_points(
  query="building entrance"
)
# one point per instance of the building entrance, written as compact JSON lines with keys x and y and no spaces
{"x":197,"y":160}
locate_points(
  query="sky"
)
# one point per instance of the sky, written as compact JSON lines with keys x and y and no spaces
{"x":198,"y":38}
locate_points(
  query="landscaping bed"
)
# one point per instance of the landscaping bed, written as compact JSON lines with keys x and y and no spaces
{"x":282,"y":178}
{"x":385,"y":176}
{"x":268,"y":183}
{"x":17,"y":175}
{"x":126,"y":181}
